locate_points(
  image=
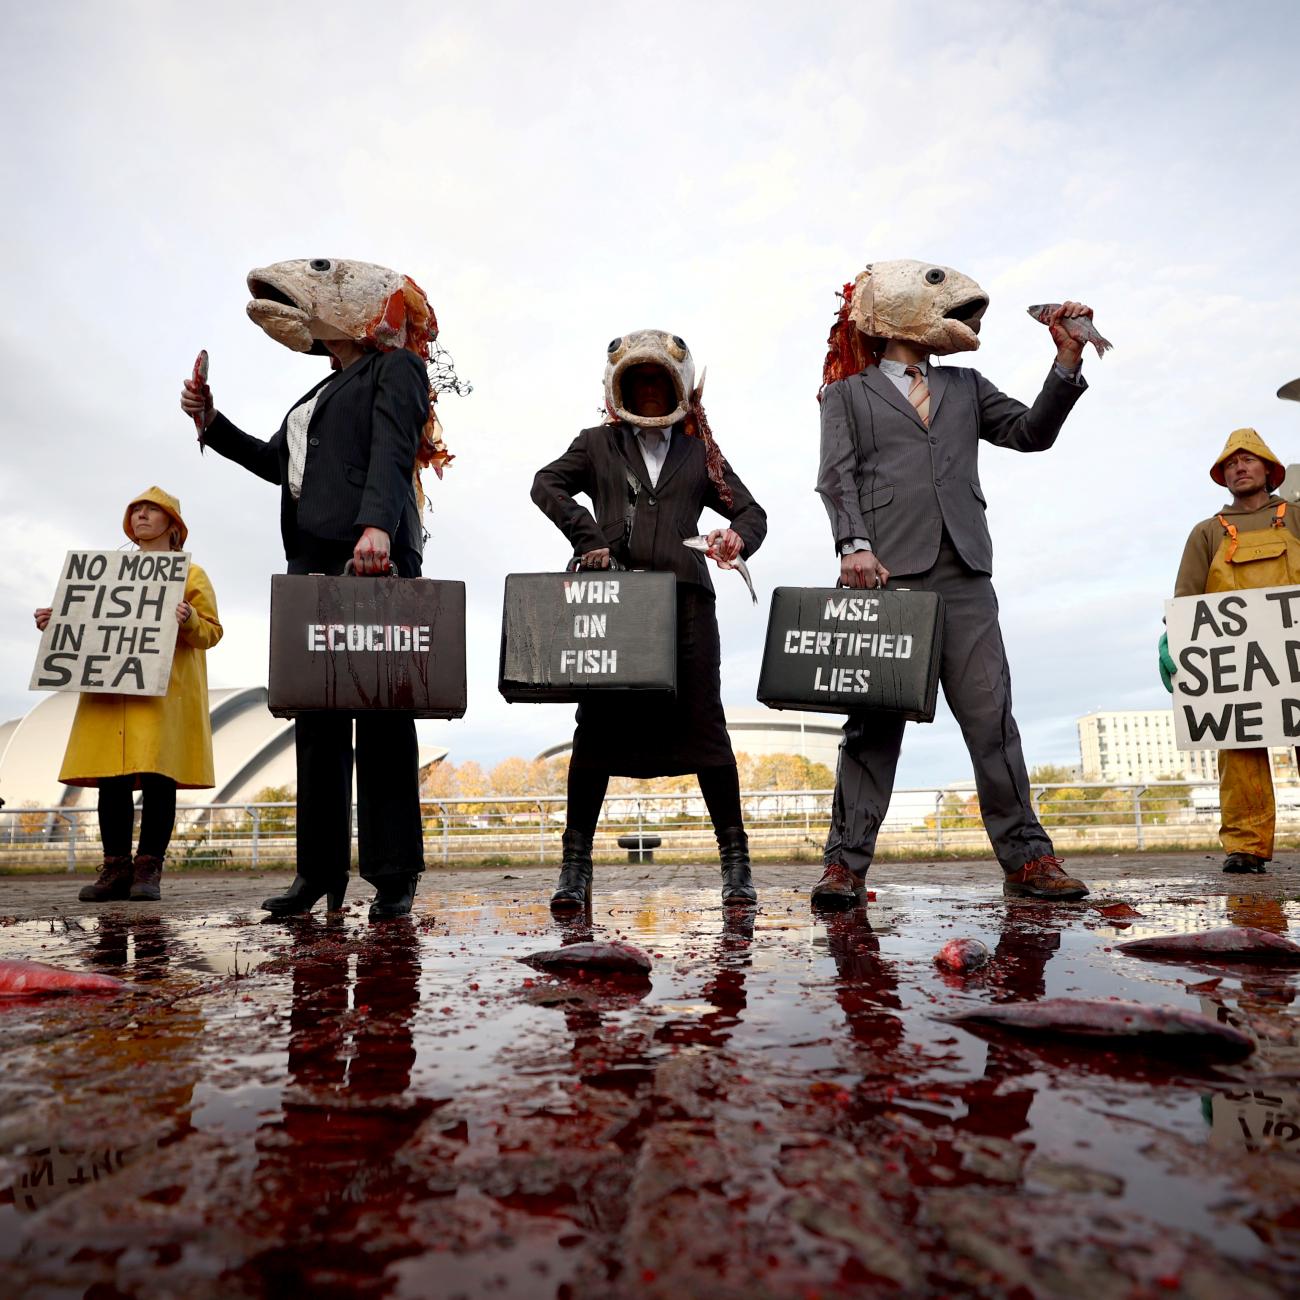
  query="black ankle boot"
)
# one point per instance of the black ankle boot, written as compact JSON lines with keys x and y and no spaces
{"x":573,"y":889}
{"x":303,"y":895}
{"x":394,"y":897}
{"x":733,"y":850}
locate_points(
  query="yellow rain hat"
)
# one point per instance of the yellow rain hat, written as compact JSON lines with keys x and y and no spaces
{"x":1248,"y":440}
{"x":164,"y":501}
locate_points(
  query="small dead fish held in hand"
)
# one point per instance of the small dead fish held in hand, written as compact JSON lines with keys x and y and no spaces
{"x":1115,"y":1024}
{"x":613,"y":958}
{"x":961,"y":955}
{"x":1228,"y":943}
{"x":200,"y":378}
{"x":33,"y":978}
{"x":1078,"y":327}
{"x":701,"y":543}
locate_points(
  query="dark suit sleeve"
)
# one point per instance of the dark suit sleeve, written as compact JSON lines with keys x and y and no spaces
{"x":747,"y":517}
{"x":1008,"y":423}
{"x":260,"y":457}
{"x":553,"y":489}
{"x":837,"y":474}
{"x":400,"y":412}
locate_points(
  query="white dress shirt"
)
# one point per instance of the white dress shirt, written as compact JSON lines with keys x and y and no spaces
{"x":296,"y":434}
{"x":654,"y":450}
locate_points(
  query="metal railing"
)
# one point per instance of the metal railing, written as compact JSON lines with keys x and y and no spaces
{"x":499,"y":830}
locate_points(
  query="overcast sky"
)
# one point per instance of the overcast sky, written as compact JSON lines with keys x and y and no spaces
{"x":556,"y":174}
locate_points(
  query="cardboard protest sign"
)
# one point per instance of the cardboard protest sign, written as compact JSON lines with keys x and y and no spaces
{"x":1238,"y":679}
{"x":113,"y":629}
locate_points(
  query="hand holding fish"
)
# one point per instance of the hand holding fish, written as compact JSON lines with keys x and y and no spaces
{"x":724,"y":542}
{"x":1071,"y":326}
{"x":196,"y":396}
{"x":725,"y":546}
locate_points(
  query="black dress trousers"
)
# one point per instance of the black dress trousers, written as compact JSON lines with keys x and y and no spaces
{"x":390,"y":839}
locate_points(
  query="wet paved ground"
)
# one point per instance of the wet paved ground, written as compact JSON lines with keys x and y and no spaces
{"x":405,"y":1110}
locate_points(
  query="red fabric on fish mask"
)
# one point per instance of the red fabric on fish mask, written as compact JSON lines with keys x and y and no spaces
{"x":847,"y":350}
{"x":696,"y":425}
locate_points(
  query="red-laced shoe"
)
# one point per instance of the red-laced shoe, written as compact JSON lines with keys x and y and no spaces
{"x":1042,"y":877}
{"x":838,"y":888}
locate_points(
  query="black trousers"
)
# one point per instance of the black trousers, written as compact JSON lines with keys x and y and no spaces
{"x":390,"y":838}
{"x":117,"y":813}
{"x":977,"y":685}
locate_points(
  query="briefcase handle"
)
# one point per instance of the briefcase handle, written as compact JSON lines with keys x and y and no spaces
{"x":350,"y":570}
{"x":575,"y":566}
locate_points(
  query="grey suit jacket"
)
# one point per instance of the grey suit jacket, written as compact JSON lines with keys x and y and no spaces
{"x":887,"y":478}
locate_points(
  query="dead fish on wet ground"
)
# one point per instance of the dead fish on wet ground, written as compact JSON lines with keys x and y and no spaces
{"x":32,"y":978}
{"x":1077,"y":327}
{"x":611,"y":958}
{"x":1228,"y":943}
{"x":1115,"y":1024}
{"x":961,"y":955}
{"x":701,"y":543}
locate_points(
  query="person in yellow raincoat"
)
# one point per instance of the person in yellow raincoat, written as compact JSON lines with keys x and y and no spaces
{"x":154,"y":744}
{"x":1252,"y":542}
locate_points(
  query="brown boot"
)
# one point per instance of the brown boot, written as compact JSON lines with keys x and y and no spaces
{"x":838,"y":888}
{"x":113,"y":882}
{"x":1042,"y":877}
{"x":145,"y":881}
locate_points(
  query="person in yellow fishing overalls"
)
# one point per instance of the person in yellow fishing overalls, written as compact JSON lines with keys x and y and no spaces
{"x":1253,"y":542}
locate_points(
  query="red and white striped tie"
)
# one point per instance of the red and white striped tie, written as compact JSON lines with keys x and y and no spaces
{"x":919,"y":394}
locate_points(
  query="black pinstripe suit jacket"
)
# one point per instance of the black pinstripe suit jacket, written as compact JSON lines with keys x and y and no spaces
{"x":361,"y":448}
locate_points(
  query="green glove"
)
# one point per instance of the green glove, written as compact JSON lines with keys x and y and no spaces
{"x":1167,"y":666}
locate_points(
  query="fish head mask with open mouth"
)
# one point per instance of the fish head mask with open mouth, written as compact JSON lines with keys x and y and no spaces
{"x":919,"y":302}
{"x":653,"y":349}
{"x":304,"y":302}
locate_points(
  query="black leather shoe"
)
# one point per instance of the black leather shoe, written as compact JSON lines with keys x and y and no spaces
{"x":733,"y":851}
{"x":1244,"y":864}
{"x":573,"y":889}
{"x":394,"y":897}
{"x":303,"y":895}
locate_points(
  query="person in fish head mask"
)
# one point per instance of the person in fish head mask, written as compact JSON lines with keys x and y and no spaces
{"x":899,"y":477}
{"x":649,"y":472}
{"x":346,"y":458}
{"x":1254,"y":541}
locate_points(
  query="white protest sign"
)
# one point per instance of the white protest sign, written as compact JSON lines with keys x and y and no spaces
{"x":1238,"y":679}
{"x":113,"y":627}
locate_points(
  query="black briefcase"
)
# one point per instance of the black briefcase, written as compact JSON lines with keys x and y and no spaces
{"x":568,"y":636}
{"x":363,"y":645}
{"x":836,"y":650}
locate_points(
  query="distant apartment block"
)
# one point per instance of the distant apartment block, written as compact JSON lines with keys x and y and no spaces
{"x":1138,"y":745}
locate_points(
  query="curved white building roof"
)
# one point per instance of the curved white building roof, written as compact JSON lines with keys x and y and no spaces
{"x":250,"y":750}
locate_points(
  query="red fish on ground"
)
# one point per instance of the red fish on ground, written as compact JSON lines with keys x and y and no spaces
{"x":961,"y":956}
{"x":1078,"y":327}
{"x":1116,"y":1024}
{"x":612,"y":958}
{"x":30,"y":978}
{"x":1228,"y":943}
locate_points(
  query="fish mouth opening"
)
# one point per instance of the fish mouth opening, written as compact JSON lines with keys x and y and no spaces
{"x":647,"y":364}
{"x":266,"y":291}
{"x":970,"y":312}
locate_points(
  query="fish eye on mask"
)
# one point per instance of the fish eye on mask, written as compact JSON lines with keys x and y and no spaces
{"x":677,"y":348}
{"x":614,"y":345}
{"x":935,"y":276}
{"x":319,"y":264}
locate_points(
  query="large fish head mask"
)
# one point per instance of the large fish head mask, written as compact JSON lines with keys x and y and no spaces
{"x":919,"y":302}
{"x":303,"y":303}
{"x":651,"y":348}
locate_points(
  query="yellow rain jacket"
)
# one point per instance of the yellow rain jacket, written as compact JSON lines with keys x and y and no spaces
{"x":1237,"y":550}
{"x":116,"y":735}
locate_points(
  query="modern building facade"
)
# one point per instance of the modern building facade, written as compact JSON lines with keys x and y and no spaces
{"x":1138,"y":745}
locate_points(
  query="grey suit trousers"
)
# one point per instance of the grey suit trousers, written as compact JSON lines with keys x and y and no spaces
{"x":977,"y":685}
